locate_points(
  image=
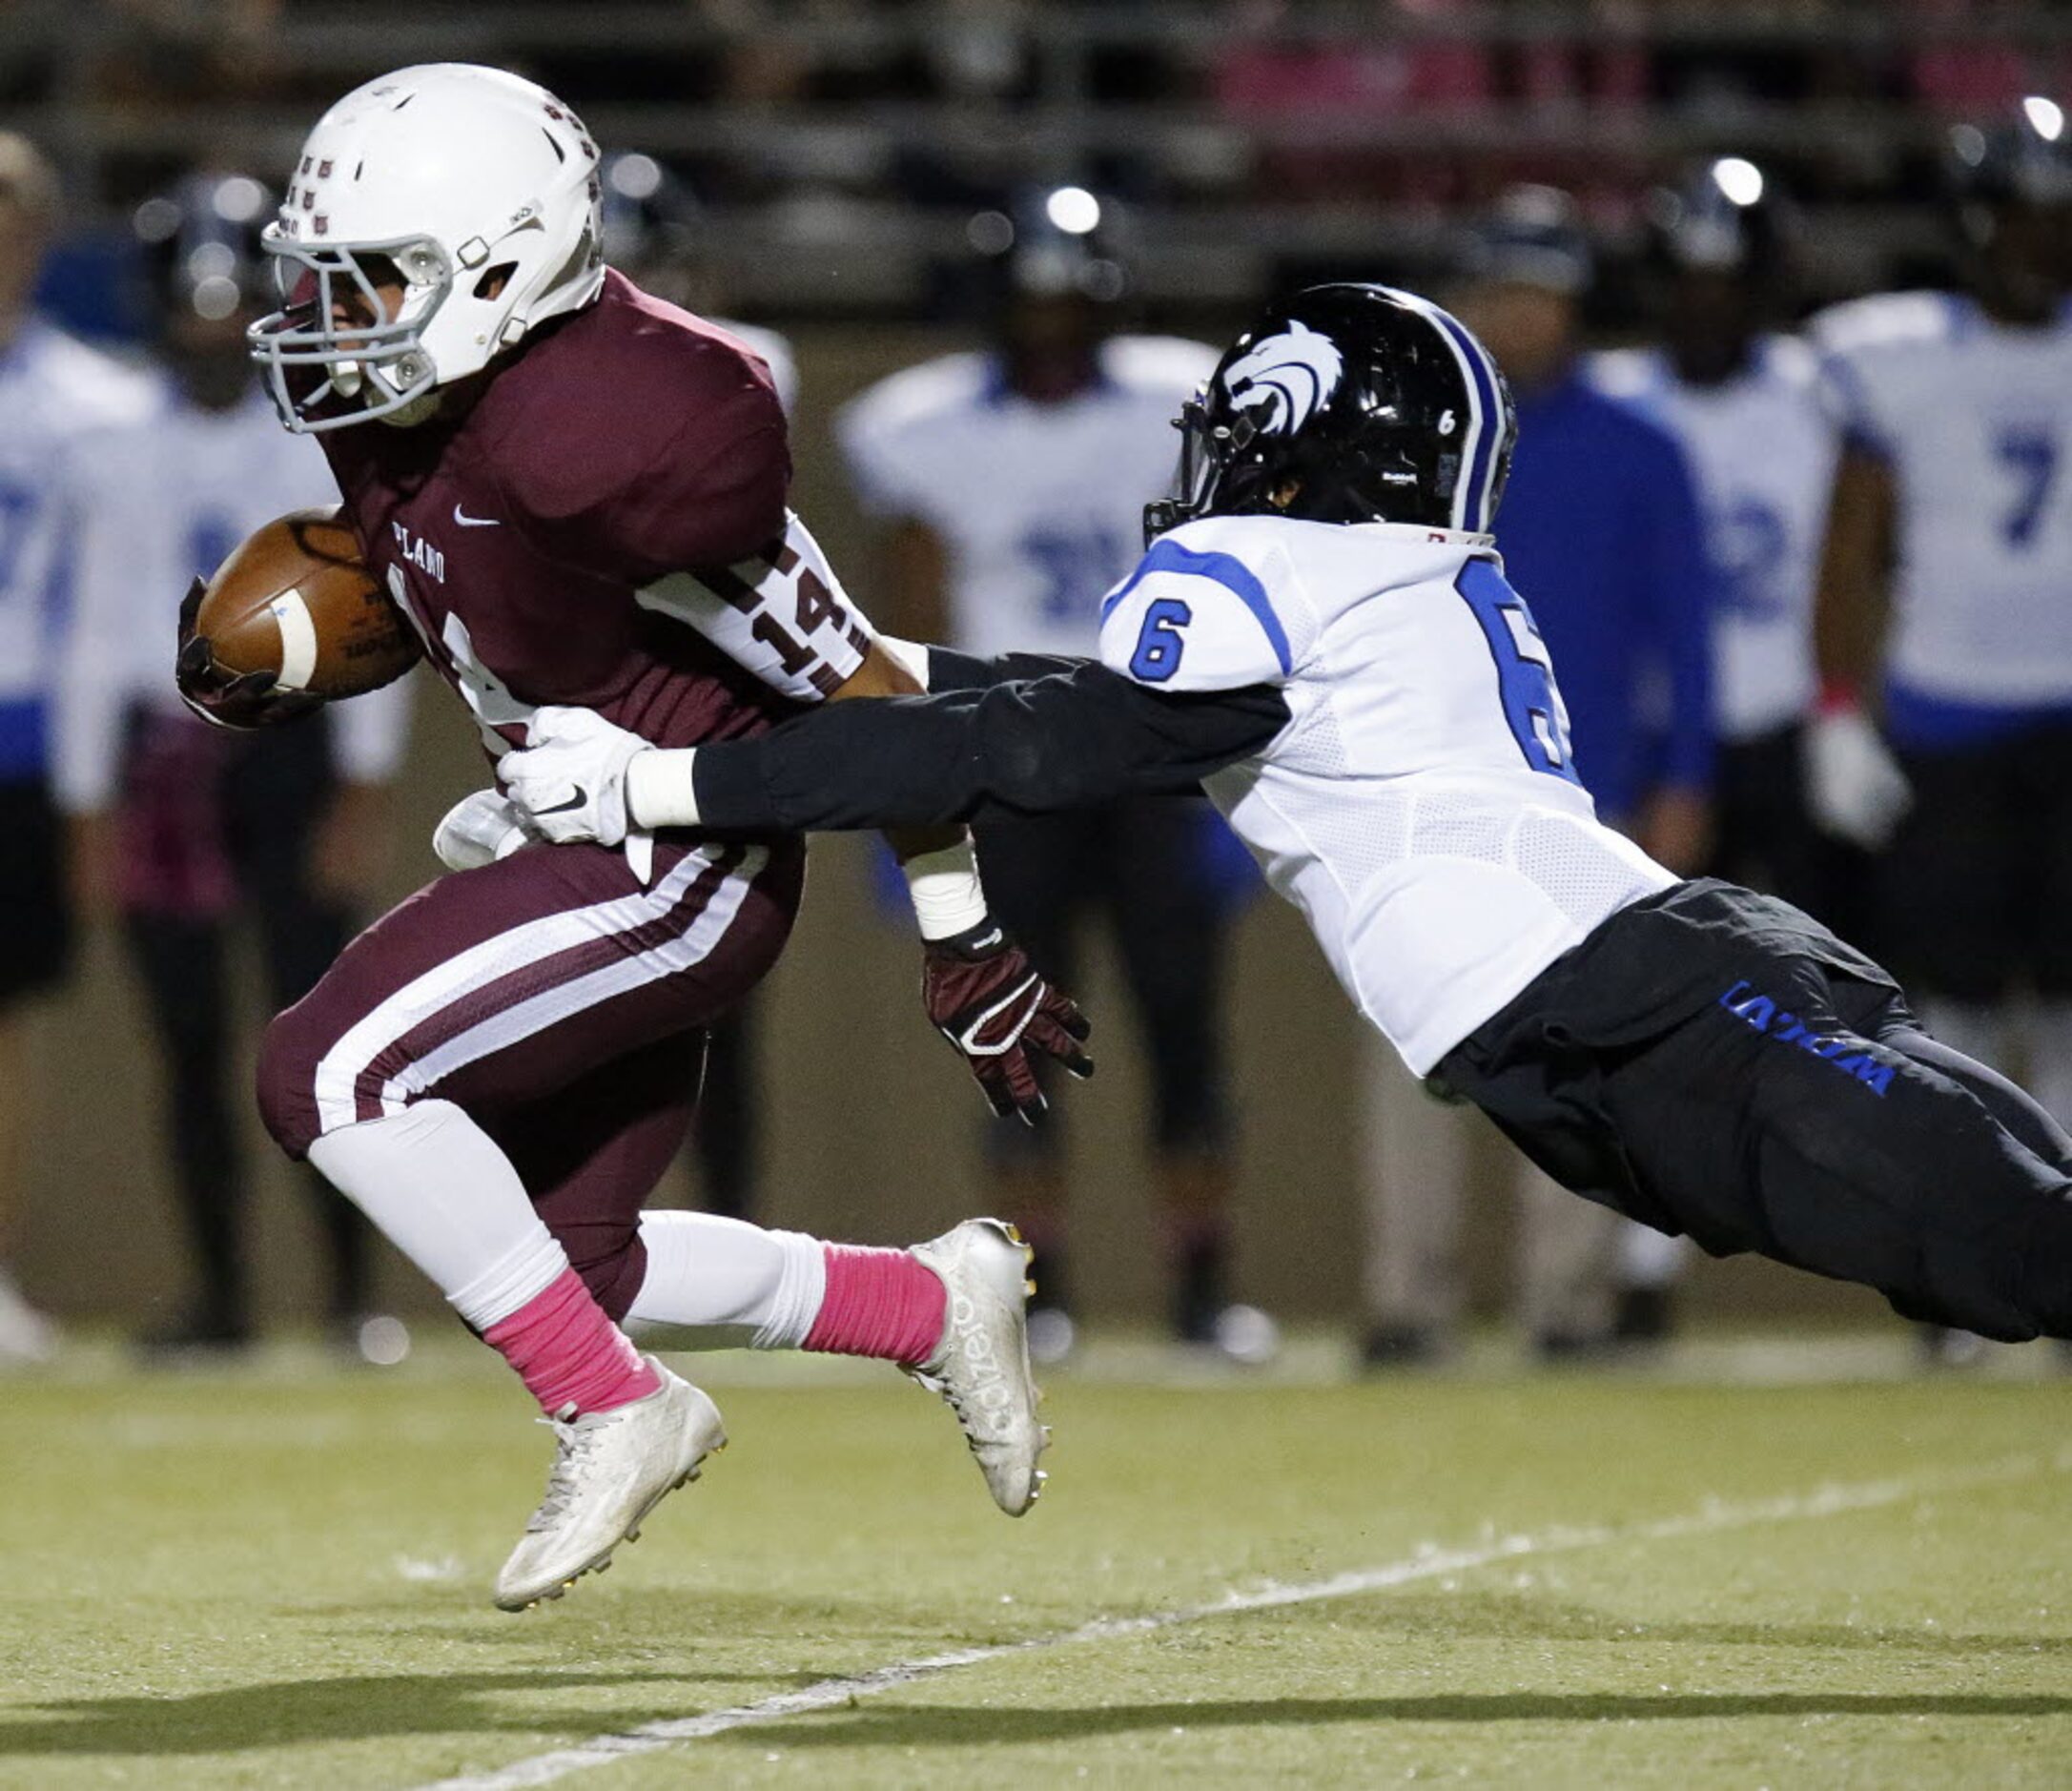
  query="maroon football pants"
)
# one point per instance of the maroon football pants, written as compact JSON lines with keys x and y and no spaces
{"x":558,"y":1002}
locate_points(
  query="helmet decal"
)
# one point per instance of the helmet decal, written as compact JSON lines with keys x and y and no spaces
{"x":1346,"y":402}
{"x":1285,"y":378}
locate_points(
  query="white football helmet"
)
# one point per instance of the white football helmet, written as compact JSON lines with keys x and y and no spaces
{"x":473,"y":190}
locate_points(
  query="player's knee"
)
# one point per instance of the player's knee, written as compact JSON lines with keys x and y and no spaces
{"x":609,"y":1260}
{"x":289,"y":1054}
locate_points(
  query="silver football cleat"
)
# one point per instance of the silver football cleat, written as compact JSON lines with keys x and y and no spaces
{"x":981,"y":1367}
{"x":610,"y":1469}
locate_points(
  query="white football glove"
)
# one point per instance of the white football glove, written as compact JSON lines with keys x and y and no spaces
{"x":1853,"y":785}
{"x":479,"y":828}
{"x":569,"y":777}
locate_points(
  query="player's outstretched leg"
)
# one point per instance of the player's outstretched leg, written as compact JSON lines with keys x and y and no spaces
{"x":1849,"y":1143}
{"x":952,"y":1312}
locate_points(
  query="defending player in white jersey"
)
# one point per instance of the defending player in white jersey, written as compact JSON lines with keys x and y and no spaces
{"x":1946,"y":605}
{"x":56,"y":394}
{"x":1322,"y":632}
{"x":1010,"y":484}
{"x":1743,"y":399}
{"x":182,"y":830}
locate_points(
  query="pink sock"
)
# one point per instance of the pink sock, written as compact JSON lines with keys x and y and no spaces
{"x":569,"y":1354}
{"x":879,"y":1303}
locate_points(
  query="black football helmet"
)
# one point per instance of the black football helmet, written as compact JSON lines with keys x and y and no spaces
{"x":1720,"y":263}
{"x":1725,"y":217}
{"x":199,"y":244}
{"x":1050,"y":243}
{"x":2012,"y":184}
{"x":2023,"y":160}
{"x":650,"y":218}
{"x":1347,"y":404}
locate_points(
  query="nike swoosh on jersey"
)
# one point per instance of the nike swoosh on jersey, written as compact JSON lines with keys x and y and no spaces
{"x":575,"y":801}
{"x":475,"y":522}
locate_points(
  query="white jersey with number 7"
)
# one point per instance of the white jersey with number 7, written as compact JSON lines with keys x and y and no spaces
{"x":1975,"y":420}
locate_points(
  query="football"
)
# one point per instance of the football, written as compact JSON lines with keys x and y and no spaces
{"x":295,"y":605}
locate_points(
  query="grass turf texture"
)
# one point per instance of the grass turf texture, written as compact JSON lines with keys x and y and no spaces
{"x":281,"y":1579}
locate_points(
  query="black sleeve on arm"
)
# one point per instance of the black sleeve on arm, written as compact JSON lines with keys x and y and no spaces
{"x":948,"y":670}
{"x":1065,"y":741}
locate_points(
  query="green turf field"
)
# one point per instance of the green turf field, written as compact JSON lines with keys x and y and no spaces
{"x":279,"y":1577}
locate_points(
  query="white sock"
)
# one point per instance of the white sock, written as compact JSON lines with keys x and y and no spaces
{"x":738,"y":1283}
{"x":1980,"y":1032}
{"x":440,"y":1190}
{"x":2050,"y":1061}
{"x":1649,"y":1258}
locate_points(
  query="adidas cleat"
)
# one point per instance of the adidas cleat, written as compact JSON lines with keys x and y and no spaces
{"x":981,"y":1367}
{"x":610,"y":1469}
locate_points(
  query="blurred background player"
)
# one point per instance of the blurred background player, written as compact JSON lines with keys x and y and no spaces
{"x":180,"y":828}
{"x":56,"y":393}
{"x":1945,"y":608}
{"x":1011,"y":484}
{"x":654,"y":234}
{"x":1742,"y":399}
{"x":1602,"y":534}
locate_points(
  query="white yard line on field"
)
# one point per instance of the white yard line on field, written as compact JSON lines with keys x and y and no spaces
{"x":1428,"y":1562}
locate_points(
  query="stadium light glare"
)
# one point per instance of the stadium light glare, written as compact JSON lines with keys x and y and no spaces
{"x":239,"y":199}
{"x":1072,"y":210}
{"x":2045,"y":116}
{"x":1739,"y":179}
{"x":214,"y":297}
{"x":155,"y":219}
{"x":636,"y":176}
{"x":990,"y":232}
{"x":211,"y":260}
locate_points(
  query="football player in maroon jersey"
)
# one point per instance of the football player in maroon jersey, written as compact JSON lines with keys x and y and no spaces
{"x":577,"y":493}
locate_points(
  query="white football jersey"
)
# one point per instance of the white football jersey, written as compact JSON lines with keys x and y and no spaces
{"x":167,"y":498}
{"x":1421,"y":807}
{"x":1040,"y":506}
{"x":1762,"y":448}
{"x":1975,"y":419}
{"x":56,"y":393}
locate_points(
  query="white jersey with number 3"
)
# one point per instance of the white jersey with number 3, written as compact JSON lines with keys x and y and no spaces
{"x":1762,"y":448}
{"x":1420,"y":808}
{"x":1039,"y":508}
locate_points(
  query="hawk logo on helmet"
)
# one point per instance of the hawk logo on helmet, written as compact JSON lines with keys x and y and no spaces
{"x":1285,"y":378}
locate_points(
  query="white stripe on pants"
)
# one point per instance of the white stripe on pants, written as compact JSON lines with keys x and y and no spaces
{"x":339,"y":1071}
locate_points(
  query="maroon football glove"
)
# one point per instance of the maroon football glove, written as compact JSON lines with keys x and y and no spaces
{"x":226,"y":698}
{"x":992,"y":1004}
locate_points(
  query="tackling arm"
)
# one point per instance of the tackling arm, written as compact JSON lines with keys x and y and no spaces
{"x":1070,"y":740}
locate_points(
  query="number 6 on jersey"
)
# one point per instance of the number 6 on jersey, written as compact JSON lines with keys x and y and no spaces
{"x":1524,"y":673}
{"x":1160,"y":642}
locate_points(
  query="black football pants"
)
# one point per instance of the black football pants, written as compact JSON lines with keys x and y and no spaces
{"x":1947,"y":1188}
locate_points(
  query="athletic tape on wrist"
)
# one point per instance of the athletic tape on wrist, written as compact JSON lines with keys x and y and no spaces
{"x":948,"y":897}
{"x":660,"y":790}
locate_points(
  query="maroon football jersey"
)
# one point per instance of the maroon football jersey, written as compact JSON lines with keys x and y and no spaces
{"x":604,"y":526}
